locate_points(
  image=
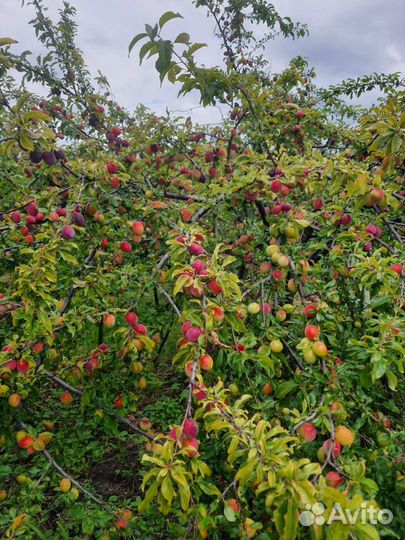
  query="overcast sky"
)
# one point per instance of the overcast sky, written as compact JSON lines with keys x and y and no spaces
{"x":347,"y":38}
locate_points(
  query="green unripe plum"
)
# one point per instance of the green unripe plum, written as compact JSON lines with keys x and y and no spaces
{"x":4,"y":389}
{"x":321,"y":455}
{"x":400,"y":485}
{"x":383,"y":439}
{"x":253,"y":308}
{"x":291,"y":232}
{"x":272,"y":249}
{"x":22,"y":479}
{"x":289,"y":308}
{"x":309,"y":356}
{"x":283,"y":261}
{"x":276,"y":346}
{"x":74,"y":494}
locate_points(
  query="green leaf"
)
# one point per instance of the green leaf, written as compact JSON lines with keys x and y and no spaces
{"x":205,"y":469}
{"x":88,"y":526}
{"x":26,"y":142}
{"x":286,"y":519}
{"x":290,"y":521}
{"x":36,"y":115}
{"x":312,"y":469}
{"x":179,"y":478}
{"x":5,"y":61}
{"x":39,"y":534}
{"x":392,"y":380}
{"x":168,"y":16}
{"x":151,"y":31}
{"x":149,"y":495}
{"x":135,"y":40}
{"x":209,"y":489}
{"x":182,"y":282}
{"x":167,"y":489}
{"x":22,"y":100}
{"x":357,"y":186}
{"x":152,"y":459}
{"x":396,"y":143}
{"x":229,"y":513}
{"x":165,"y":56}
{"x":365,"y":378}
{"x":45,"y":321}
{"x":148,"y":342}
{"x":69,"y":258}
{"x":365,"y":531}
{"x":5,"y":470}
{"x":285,"y":388}
{"x":173,"y":72}
{"x":8,"y":147}
{"x":153,"y":50}
{"x":379,"y":301}
{"x":379,"y":365}
{"x":244,"y":472}
{"x":370,"y":484}
{"x":338,"y":530}
{"x":85,"y":400}
{"x":302,"y":222}
{"x":183,"y":38}
{"x":195,"y":47}
{"x":184,"y":496}
{"x":146,"y":47}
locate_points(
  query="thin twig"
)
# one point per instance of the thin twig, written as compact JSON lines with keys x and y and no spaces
{"x":170,"y":300}
{"x":79,"y":393}
{"x":292,"y":354}
{"x":263,"y":302}
{"x":387,"y":246}
{"x":311,"y":417}
{"x":262,"y":281}
{"x":65,"y":474}
{"x":293,"y":269}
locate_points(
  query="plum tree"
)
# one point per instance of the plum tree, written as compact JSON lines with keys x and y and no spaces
{"x":138,"y":248}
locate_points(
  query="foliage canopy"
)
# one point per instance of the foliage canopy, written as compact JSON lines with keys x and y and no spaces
{"x":202,"y":327}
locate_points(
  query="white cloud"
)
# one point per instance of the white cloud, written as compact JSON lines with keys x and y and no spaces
{"x":346,"y":39}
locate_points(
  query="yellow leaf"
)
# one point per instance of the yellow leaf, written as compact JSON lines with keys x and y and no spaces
{"x":17,"y":522}
{"x":26,"y":142}
{"x":167,"y":489}
{"x":358,"y":187}
{"x":7,"y":41}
